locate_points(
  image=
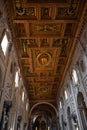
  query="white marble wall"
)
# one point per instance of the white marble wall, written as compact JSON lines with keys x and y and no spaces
{"x":79,"y":63}
{"x":8,"y":91}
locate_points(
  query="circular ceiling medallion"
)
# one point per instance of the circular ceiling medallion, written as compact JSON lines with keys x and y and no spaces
{"x":44,"y":59}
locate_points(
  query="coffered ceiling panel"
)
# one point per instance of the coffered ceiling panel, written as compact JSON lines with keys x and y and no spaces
{"x":45,"y":1}
{"x":45,"y":59}
{"x":45,"y":31}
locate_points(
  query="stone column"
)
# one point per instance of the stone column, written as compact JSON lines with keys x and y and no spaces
{"x":76,"y":106}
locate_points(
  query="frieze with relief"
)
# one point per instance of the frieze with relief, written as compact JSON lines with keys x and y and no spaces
{"x":45,"y":13}
{"x":40,"y":90}
{"x":20,"y":30}
{"x":57,"y":43}
{"x":30,"y":42}
{"x":25,"y":45}
{"x":46,"y":29}
{"x":24,"y":48}
{"x":44,"y":43}
{"x":25,"y":12}
{"x":66,"y":12}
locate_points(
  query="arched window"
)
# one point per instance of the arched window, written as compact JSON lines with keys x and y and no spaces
{"x":4,"y":44}
{"x":27,"y":106}
{"x":16,"y":79}
{"x":60,"y":104}
{"x":65,"y":93}
{"x":23,"y":96}
{"x":74,"y":76}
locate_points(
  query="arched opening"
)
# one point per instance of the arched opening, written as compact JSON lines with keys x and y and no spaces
{"x":43,"y":117}
{"x":82,"y":110}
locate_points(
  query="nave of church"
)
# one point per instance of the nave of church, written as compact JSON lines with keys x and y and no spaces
{"x":43,"y":65}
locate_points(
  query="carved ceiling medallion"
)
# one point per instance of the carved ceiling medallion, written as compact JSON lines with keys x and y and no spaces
{"x":44,"y":59}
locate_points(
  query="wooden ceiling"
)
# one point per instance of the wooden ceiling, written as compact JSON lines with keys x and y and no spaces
{"x":45,"y":31}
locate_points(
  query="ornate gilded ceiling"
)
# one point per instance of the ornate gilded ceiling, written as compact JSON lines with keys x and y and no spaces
{"x":45,"y":33}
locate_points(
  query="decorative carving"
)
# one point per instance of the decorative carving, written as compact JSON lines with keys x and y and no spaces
{"x":59,"y":69}
{"x":44,"y":59}
{"x":55,"y":85}
{"x":41,"y":90}
{"x":82,"y":65}
{"x":24,"y":48}
{"x":62,"y":61}
{"x":22,"y":11}
{"x":28,"y":71}
{"x":43,"y":75}
{"x":74,"y":117}
{"x":7,"y":104}
{"x":48,"y":29}
{"x":65,"y":123}
{"x":56,"y":43}
{"x":19,"y":122}
{"x":44,"y":43}
{"x":64,"y":47}
{"x":68,"y":29}
{"x":85,"y":82}
{"x":45,"y":13}
{"x":83,"y":25}
{"x":30,"y":42}
{"x":85,"y":36}
{"x":66,"y":12}
{"x":20,"y":30}
{"x":19,"y":118}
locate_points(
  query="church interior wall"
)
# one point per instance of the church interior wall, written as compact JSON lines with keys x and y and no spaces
{"x":79,"y":64}
{"x":18,"y":106}
{"x":10,"y":95}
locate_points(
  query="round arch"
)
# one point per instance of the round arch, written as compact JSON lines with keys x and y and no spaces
{"x":46,"y":103}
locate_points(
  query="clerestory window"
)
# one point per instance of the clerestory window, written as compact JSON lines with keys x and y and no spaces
{"x":74,"y":76}
{"x":4,"y":44}
{"x":16,"y":79}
